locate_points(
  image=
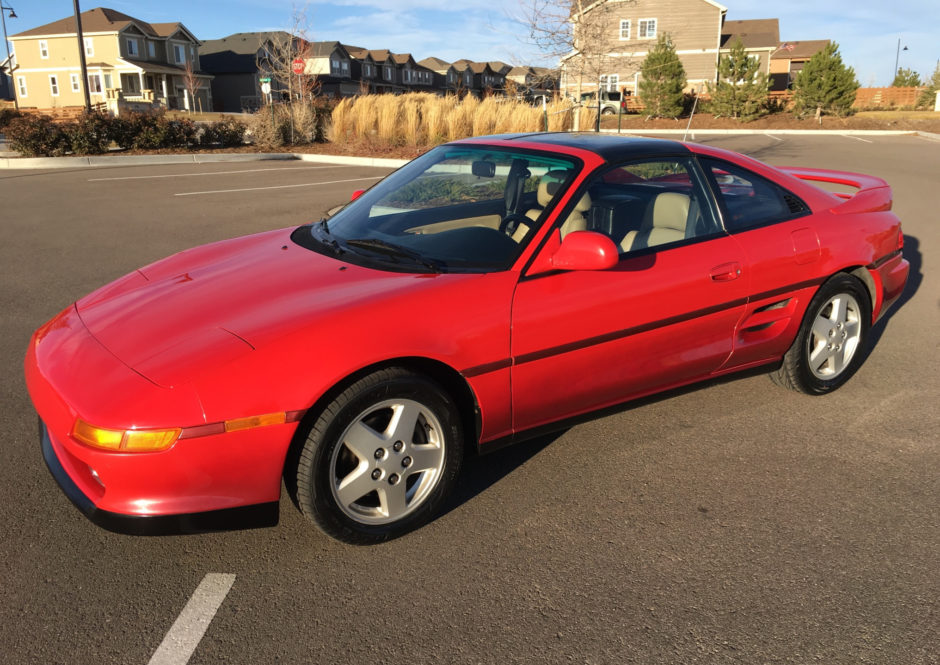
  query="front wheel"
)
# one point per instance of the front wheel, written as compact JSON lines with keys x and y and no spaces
{"x":830,"y":345}
{"x":381,"y":458}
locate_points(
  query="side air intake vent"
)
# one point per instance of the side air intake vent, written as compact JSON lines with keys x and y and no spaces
{"x":794,"y":204}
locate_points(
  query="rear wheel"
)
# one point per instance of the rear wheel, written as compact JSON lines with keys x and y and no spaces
{"x":832,"y":339}
{"x":381,"y":458}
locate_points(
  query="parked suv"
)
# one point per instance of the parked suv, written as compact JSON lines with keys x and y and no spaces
{"x":611,"y":101}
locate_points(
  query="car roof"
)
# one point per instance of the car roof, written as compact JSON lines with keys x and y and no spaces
{"x":611,"y":147}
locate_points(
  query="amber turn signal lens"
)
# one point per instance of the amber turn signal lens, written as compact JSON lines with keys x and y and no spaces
{"x":124,"y":440}
{"x":255,"y":421}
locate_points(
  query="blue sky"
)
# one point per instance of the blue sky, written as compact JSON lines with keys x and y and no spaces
{"x":867,"y":30}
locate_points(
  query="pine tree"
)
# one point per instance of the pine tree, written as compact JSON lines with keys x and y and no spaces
{"x":741,"y":89}
{"x":662,"y":80}
{"x":825,"y":85}
{"x":906,"y":78}
{"x":929,"y":96}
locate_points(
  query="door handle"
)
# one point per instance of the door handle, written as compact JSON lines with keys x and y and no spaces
{"x":725,"y":272}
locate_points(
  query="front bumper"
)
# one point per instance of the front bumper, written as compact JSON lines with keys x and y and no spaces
{"x":241,"y":517}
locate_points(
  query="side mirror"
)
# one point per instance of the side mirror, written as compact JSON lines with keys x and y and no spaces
{"x":580,"y":250}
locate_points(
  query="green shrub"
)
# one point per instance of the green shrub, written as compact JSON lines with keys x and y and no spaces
{"x":152,"y":131}
{"x":227,"y":132}
{"x":6,"y":115}
{"x":37,"y":136}
{"x":90,"y":134}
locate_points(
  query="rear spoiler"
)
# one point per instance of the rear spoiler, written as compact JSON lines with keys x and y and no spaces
{"x":873,"y":195}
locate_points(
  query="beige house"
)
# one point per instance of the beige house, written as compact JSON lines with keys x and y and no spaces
{"x":131,"y":64}
{"x":788,"y":59}
{"x":617,"y":35}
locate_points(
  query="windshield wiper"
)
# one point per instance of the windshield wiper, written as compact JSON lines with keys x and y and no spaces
{"x":326,"y":237}
{"x":393,"y":251}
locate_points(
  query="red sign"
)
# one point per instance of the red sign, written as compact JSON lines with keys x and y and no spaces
{"x":297,"y":66}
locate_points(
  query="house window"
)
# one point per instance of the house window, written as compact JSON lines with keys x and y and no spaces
{"x":609,"y":82}
{"x":151,"y":49}
{"x":387,"y":72}
{"x":21,"y":86}
{"x":74,"y":78}
{"x":179,"y":53}
{"x":367,"y":71}
{"x":43,"y":49}
{"x":94,"y":84}
{"x":624,"y":29}
{"x":54,"y":85}
{"x":647,"y":28}
{"x":344,"y":67}
{"x":107,"y":82}
{"x":89,"y":47}
{"x":132,"y":47}
{"x":130,"y":83}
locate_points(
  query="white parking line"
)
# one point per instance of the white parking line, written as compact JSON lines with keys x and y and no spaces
{"x":180,"y":643}
{"x":254,"y":189}
{"x":194,"y":175}
{"x":773,"y":137}
{"x":857,"y":138}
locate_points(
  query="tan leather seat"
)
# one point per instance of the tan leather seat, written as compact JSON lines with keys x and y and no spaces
{"x":548,"y":187}
{"x":576,"y":220}
{"x":665,"y":222}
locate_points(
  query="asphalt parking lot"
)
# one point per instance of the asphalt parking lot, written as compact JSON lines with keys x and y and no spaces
{"x":729,"y":523}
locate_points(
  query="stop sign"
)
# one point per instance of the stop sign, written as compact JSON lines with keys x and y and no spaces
{"x":297,"y":66}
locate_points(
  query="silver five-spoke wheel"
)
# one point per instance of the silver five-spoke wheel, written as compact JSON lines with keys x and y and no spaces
{"x":388,"y":462}
{"x":836,"y":333}
{"x":830,"y":344}
{"x":380,"y":458}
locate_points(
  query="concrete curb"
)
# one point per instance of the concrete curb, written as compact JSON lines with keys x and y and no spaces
{"x":137,"y":160}
{"x":351,"y":161}
{"x":930,"y":136}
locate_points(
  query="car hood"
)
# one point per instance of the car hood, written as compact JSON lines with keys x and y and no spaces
{"x":207,"y":306}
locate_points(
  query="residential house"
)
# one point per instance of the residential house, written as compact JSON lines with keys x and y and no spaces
{"x":414,"y":77}
{"x":531,"y":82}
{"x":6,"y":81}
{"x":622,"y":33}
{"x":760,"y":38}
{"x":479,"y":77}
{"x":238,"y":62}
{"x":439,"y":68}
{"x":131,"y":64}
{"x":788,"y":60}
{"x":332,"y":64}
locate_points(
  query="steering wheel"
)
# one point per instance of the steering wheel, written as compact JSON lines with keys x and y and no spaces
{"x":511,"y":222}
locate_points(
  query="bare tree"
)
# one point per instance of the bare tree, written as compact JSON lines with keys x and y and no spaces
{"x":581,"y":34}
{"x":192,"y":82}
{"x":276,"y":57}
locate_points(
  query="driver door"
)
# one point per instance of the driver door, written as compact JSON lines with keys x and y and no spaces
{"x":663,"y":316}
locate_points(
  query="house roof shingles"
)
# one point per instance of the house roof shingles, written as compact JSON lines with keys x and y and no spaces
{"x":801,"y":50}
{"x":102,"y":19}
{"x":754,"y":33}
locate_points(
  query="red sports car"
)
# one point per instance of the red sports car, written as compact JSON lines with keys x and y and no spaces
{"x":490,"y":290}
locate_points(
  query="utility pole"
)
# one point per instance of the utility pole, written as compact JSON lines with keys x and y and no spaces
{"x":81,"y":54}
{"x":6,"y":45}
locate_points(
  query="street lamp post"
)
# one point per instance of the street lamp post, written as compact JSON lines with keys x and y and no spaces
{"x":897,"y":57}
{"x":6,"y":45}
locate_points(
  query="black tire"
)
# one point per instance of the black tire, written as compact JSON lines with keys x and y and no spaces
{"x":824,"y":357}
{"x":608,"y":111}
{"x":396,"y":493}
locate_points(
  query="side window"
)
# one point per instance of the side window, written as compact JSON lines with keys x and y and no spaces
{"x":649,"y":203}
{"x":750,"y":200}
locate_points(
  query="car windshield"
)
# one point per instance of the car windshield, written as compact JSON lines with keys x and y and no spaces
{"x":458,"y":208}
